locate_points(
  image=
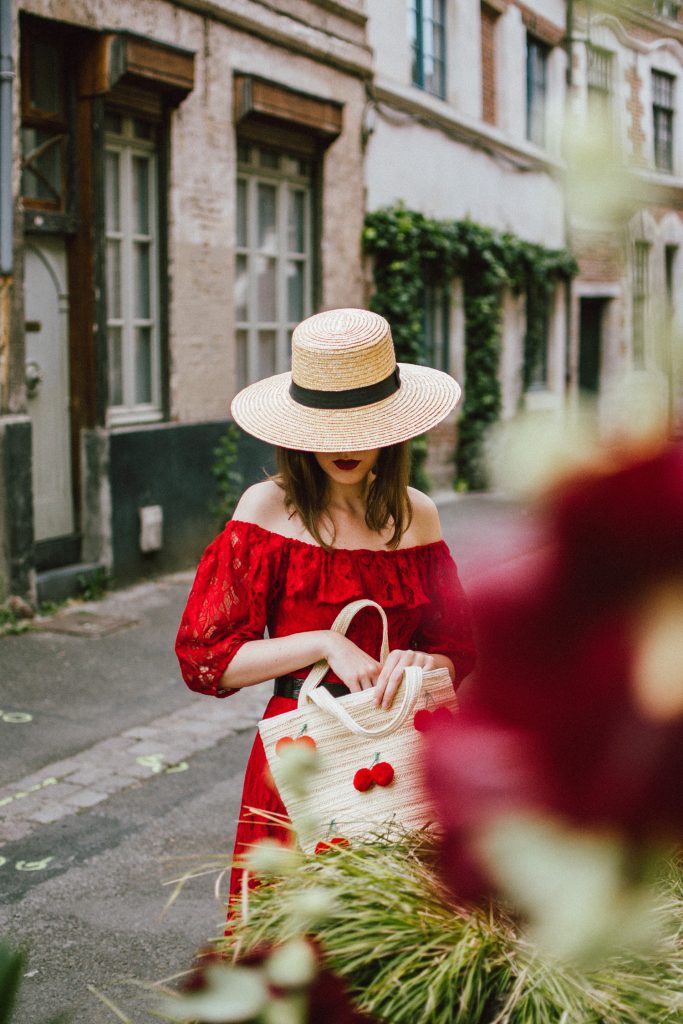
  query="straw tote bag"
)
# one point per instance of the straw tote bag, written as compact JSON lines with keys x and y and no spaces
{"x":351,"y":733}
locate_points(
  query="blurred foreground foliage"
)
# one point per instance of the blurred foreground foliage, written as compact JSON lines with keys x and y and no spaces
{"x":12,"y":967}
{"x":411,"y":956}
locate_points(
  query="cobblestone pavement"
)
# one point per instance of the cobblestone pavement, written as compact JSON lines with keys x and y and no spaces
{"x":162,"y":745}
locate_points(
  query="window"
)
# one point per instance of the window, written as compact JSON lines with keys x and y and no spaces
{"x":426,"y":30}
{"x":489,"y":19}
{"x":670,"y":256}
{"x":132,"y":270}
{"x":663,"y":119}
{"x":666,"y":8}
{"x":436,"y":315}
{"x":640,"y":292}
{"x":536,"y":89}
{"x":600,"y":77}
{"x":273,"y":272}
{"x":44,"y":124}
{"x":536,"y":340}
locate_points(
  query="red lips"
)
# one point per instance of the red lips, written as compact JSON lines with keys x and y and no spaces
{"x":346,"y":464}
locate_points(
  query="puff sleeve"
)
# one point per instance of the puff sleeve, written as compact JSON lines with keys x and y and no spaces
{"x":446,"y":626}
{"x":227,"y":605}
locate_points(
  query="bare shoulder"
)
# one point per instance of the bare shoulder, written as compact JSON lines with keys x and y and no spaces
{"x":262,"y":504}
{"x":426,"y":525}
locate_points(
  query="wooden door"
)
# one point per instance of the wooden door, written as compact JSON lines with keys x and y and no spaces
{"x":47,"y":379}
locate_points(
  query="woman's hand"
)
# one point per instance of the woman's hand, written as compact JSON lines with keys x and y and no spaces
{"x":349,"y":663}
{"x":391,"y":675}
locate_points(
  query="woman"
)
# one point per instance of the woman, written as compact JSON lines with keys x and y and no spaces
{"x":337,"y":523}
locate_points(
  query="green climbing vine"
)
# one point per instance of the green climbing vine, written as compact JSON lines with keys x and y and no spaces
{"x":411,"y":251}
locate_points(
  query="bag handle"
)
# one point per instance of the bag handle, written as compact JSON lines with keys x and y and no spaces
{"x":341,"y":625}
{"x":411,"y":686}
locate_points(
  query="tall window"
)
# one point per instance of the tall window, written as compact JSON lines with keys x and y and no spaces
{"x":536,"y":89}
{"x":666,"y":8}
{"x":436,"y":306}
{"x":44,"y":134}
{"x":600,"y":78}
{"x":426,"y":30}
{"x":536,"y":341}
{"x":274,"y":256}
{"x":640,"y":287}
{"x":132,"y":271}
{"x":663,"y":119}
{"x":489,"y":19}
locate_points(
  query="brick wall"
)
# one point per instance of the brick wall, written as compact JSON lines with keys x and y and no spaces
{"x":636,"y":110}
{"x":600,"y":259}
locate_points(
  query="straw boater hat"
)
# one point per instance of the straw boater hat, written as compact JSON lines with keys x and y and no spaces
{"x":346,"y":392}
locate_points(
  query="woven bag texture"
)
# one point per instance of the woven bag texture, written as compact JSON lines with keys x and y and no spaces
{"x":331,"y":806}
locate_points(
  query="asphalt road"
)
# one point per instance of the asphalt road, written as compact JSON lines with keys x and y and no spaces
{"x":85,"y":893}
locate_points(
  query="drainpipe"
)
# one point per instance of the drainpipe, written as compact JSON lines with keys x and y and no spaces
{"x":6,"y":79}
{"x":569,"y":289}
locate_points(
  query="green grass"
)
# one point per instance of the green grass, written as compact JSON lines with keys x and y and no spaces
{"x":411,"y":957}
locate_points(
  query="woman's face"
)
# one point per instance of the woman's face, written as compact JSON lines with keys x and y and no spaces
{"x":347,"y":467}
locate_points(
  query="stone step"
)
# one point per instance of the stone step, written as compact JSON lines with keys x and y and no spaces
{"x":67,"y":581}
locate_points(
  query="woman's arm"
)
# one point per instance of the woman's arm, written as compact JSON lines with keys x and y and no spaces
{"x":258,"y":660}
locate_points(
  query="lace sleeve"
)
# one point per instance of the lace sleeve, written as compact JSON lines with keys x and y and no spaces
{"x":446,"y":626}
{"x":227,"y":606}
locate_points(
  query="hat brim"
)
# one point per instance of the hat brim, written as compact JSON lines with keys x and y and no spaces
{"x":266,"y":410}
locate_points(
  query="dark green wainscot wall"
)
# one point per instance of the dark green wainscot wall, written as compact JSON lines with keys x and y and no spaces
{"x":170,"y":465}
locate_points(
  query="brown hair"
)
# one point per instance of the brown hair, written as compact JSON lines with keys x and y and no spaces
{"x":306,"y":491}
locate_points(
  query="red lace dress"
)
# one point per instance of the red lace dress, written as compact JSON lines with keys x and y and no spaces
{"x":250,"y":579}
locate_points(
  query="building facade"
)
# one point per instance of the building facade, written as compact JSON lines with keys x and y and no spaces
{"x":464,"y":121}
{"x":627,"y":75}
{"x":182,"y":181}
{"x":187,"y":184}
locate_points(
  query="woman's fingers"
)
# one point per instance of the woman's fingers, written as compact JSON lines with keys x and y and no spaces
{"x":391,"y":675}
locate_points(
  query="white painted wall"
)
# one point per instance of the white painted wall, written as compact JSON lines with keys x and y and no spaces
{"x":448,"y":179}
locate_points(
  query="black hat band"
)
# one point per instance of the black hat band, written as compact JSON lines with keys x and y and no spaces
{"x":352,"y":398}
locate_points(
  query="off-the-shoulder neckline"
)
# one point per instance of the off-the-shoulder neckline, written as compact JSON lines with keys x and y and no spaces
{"x":348,"y":551}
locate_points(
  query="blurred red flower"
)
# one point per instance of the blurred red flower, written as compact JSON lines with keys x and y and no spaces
{"x":553,"y":718}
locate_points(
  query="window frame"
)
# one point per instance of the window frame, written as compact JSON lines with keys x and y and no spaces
{"x":131,"y":412}
{"x":56,"y":121}
{"x":416,"y":33}
{"x":286,"y":181}
{"x":436,"y":302}
{"x":536,"y":92}
{"x":663,"y":113}
{"x":640,"y":293}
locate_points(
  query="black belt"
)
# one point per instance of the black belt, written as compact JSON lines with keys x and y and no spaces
{"x":290,"y":686}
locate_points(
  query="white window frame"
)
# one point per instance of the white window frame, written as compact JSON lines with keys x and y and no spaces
{"x":127,"y":146}
{"x":537,"y":95}
{"x":285,"y":181}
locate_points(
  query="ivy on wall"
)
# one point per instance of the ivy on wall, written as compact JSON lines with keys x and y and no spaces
{"x":411,"y":251}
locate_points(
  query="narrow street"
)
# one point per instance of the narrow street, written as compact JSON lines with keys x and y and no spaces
{"x":117,"y":780}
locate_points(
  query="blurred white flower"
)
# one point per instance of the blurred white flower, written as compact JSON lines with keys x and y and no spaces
{"x":570,"y":886}
{"x":230,"y":995}
{"x":268,"y":857}
{"x":293,"y":965}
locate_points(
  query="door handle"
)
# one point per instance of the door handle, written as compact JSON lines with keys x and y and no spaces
{"x":33,"y":377}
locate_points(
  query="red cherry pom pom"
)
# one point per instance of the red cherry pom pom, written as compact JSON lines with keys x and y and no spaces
{"x":363,"y":780}
{"x":422,"y":720}
{"x":327,"y":844}
{"x":442,"y":715}
{"x":382,"y":773}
